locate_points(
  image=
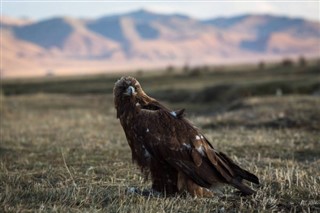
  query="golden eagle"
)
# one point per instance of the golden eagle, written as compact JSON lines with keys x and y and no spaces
{"x":167,"y":145}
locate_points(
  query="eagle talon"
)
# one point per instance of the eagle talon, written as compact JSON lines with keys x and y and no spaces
{"x":132,"y":190}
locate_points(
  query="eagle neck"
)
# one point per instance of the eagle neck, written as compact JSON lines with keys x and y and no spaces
{"x":128,"y":112}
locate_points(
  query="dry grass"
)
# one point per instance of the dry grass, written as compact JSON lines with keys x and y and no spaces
{"x":68,"y":153}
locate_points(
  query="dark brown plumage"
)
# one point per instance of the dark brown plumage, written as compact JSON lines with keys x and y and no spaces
{"x":165,"y":144}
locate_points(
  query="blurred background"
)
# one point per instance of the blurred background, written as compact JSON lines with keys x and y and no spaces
{"x":70,"y":38}
{"x":185,"y":53}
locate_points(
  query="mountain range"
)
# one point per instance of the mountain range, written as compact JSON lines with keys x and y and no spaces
{"x":144,"y":39}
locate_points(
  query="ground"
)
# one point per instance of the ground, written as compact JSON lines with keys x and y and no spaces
{"x":62,"y":148}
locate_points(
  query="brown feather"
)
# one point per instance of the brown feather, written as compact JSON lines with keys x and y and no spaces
{"x":178,"y":156}
{"x":196,"y":157}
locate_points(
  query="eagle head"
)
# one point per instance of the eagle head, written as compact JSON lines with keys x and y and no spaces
{"x":125,"y":87}
{"x":127,"y":90}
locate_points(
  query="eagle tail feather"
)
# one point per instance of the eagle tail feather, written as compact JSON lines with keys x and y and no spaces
{"x":239,"y":172}
{"x":245,"y":190}
{"x":238,"y":175}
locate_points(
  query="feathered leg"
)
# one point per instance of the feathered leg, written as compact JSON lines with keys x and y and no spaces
{"x":164,"y":178}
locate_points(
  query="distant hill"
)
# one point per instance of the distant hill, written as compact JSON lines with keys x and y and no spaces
{"x":143,"y":39}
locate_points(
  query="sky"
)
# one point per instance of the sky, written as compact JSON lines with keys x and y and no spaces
{"x":42,"y":9}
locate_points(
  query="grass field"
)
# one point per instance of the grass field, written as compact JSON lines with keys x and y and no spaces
{"x":63,"y":150}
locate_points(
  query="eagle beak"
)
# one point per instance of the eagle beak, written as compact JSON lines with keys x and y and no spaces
{"x":130,"y":91}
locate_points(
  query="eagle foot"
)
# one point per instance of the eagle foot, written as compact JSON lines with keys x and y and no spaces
{"x":144,"y":192}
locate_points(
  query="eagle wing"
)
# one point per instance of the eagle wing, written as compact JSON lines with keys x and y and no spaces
{"x":172,"y":139}
{"x":153,"y":104}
